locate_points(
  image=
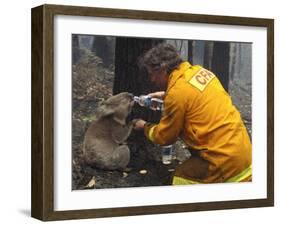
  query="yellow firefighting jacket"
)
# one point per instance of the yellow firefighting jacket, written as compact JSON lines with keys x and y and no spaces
{"x":199,"y":110}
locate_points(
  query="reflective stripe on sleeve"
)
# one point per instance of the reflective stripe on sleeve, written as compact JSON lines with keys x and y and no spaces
{"x":150,"y":133}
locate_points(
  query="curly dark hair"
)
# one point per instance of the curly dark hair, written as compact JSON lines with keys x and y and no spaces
{"x":161,"y":57}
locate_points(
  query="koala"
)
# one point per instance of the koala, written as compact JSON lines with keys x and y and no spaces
{"x":104,"y":142}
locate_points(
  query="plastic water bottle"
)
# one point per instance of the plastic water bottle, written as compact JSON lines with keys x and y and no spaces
{"x":167,"y":154}
{"x":144,"y":101}
{"x":154,"y":104}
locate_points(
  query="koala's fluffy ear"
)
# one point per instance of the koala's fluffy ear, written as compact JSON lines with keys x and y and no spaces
{"x":119,"y":121}
{"x":104,"y":111}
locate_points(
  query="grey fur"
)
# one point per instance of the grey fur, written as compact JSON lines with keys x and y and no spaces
{"x":104,"y":142}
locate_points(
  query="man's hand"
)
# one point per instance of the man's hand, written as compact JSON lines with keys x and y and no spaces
{"x":138,"y":124}
{"x":159,"y":94}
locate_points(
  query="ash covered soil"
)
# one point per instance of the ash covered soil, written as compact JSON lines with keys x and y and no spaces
{"x":93,"y":83}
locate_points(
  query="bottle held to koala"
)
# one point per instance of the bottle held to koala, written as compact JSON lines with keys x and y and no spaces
{"x":154,"y":104}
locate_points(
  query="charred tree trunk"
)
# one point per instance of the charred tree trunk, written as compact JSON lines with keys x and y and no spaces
{"x":128,"y":77}
{"x":190,"y":51}
{"x":75,"y":49}
{"x":220,"y":62}
{"x":104,"y":48}
{"x":208,"y":53}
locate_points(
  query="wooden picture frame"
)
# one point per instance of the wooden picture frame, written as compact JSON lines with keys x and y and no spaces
{"x":43,"y":112}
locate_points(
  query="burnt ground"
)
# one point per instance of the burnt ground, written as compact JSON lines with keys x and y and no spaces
{"x":92,"y":83}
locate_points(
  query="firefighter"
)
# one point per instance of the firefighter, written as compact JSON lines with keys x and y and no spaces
{"x":198,"y":110}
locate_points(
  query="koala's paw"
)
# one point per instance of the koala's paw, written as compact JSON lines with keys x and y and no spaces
{"x":133,"y":122}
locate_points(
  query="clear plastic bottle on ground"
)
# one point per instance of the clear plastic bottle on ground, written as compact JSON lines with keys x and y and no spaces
{"x":167,"y":154}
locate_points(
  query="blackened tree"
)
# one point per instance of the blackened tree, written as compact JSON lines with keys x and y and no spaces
{"x":220,"y":62}
{"x":190,"y":51}
{"x":75,"y":49}
{"x":128,"y":76}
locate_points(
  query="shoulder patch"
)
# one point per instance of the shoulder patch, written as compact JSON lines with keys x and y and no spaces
{"x":201,"y":79}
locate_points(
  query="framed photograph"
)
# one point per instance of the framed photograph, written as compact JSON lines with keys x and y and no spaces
{"x":142,"y":112}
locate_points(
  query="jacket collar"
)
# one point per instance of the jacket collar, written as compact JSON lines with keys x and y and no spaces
{"x":177,"y":73}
